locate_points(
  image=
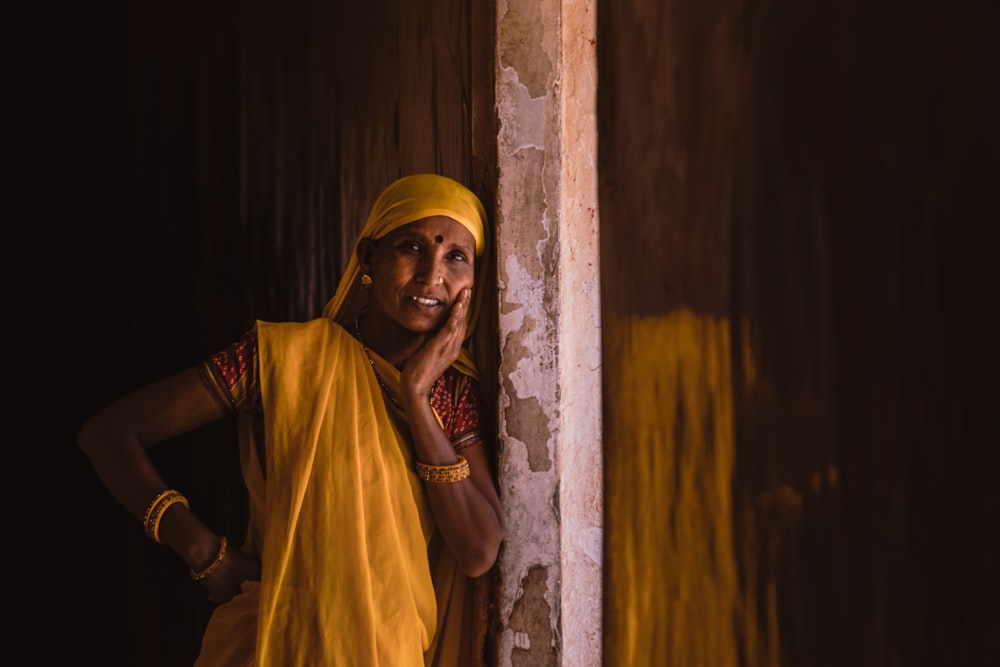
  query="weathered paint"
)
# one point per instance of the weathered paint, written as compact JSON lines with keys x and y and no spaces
{"x":549,"y":598}
{"x":531,"y":623}
{"x":528,"y":418}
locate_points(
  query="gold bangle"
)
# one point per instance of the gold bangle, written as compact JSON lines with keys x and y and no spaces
{"x":215,"y":563}
{"x":151,"y":521}
{"x":147,"y":518}
{"x":170,"y":500}
{"x":450,"y":473}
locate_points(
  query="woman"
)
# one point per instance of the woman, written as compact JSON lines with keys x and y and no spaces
{"x":372,"y":500}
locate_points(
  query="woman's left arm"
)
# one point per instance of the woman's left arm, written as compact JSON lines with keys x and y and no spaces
{"x":467,"y":511}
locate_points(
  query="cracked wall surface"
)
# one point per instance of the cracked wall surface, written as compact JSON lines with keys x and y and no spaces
{"x":549,"y":321}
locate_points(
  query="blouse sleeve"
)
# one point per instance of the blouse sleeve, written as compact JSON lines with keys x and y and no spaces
{"x":456,"y":399}
{"x":232,"y":375}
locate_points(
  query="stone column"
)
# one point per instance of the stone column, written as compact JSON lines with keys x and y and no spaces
{"x":550,"y":334}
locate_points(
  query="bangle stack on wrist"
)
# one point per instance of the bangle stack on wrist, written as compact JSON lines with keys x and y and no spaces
{"x":151,"y":521}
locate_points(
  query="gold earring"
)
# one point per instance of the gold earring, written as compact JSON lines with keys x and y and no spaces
{"x":366,"y":279}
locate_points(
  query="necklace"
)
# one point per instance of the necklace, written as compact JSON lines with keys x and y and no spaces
{"x":381,"y":382}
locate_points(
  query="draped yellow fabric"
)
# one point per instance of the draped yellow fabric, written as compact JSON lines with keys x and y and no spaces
{"x":347,"y":574}
{"x":340,"y":496}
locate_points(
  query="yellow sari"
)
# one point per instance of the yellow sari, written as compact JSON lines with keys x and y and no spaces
{"x":352,"y":573}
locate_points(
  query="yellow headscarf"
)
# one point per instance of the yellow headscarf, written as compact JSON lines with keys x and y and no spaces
{"x":407,"y":200}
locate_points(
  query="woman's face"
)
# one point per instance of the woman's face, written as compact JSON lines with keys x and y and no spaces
{"x":419,"y":270}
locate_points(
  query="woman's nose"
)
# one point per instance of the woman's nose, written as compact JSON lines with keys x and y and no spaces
{"x":431,"y":270}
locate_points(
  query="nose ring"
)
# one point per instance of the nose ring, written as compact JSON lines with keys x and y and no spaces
{"x":440,"y":280}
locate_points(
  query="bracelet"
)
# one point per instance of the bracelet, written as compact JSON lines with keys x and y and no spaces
{"x":149,"y":509}
{"x":151,"y":521}
{"x":215,"y":563}
{"x":176,"y":498}
{"x":450,"y":473}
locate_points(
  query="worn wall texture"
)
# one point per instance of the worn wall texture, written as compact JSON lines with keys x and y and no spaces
{"x":549,"y":597}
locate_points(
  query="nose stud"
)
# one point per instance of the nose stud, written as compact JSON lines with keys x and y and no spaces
{"x":440,"y":280}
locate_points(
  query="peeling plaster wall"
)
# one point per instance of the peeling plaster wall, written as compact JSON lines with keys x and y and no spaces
{"x":549,"y":320}
{"x":581,"y":442}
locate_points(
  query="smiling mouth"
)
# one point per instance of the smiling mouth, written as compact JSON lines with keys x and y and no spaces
{"x":425,"y":302}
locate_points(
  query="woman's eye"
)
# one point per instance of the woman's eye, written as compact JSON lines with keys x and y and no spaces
{"x":458,"y":257}
{"x":409,"y":246}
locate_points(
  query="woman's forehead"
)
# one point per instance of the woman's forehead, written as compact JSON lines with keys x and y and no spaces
{"x":439,"y":229}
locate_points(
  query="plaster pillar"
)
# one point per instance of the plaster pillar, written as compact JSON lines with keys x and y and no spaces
{"x":550,"y":333}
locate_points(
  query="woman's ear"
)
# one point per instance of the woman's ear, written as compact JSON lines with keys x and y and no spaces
{"x":365,"y":251}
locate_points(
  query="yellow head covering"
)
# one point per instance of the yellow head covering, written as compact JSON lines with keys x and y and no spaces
{"x":407,"y":200}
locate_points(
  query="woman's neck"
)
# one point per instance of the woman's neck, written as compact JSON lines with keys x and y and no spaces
{"x":386,"y":338}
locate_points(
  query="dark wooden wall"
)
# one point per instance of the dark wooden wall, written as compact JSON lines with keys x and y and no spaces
{"x":226,"y":155}
{"x":808,"y":190}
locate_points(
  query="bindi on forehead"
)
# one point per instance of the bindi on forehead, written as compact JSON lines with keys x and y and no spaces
{"x":439,"y":239}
